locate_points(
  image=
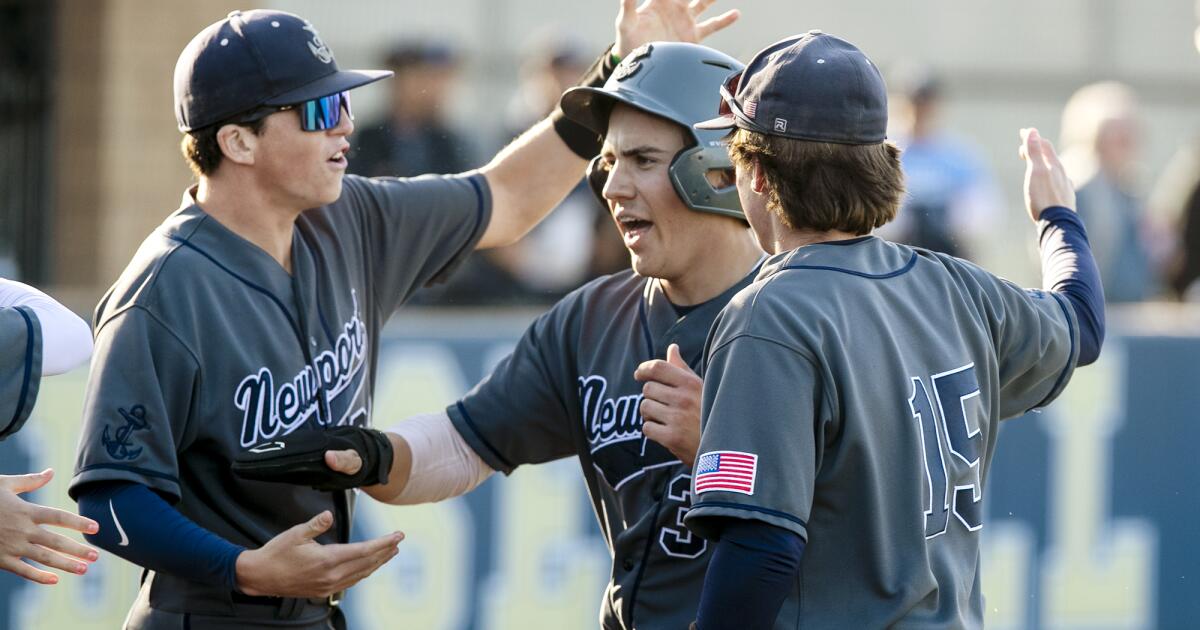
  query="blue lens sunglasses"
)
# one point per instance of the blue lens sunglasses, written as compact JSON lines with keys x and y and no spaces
{"x":317,"y":114}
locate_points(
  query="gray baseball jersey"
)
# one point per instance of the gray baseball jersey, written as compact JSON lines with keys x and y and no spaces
{"x":568,"y":390}
{"x":20,"y":366}
{"x":852,"y":395}
{"x":207,"y":347}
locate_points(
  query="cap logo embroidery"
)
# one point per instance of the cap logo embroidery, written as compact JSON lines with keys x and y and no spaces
{"x":318,"y":47}
{"x":780,"y":125}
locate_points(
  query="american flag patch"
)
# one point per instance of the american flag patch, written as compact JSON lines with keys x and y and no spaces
{"x":728,"y":471}
{"x":751,"y":108}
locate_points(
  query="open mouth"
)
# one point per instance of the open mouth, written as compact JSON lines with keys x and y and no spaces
{"x":339,"y":159}
{"x":633,"y":229}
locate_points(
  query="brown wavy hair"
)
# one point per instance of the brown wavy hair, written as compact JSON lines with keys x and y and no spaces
{"x":823,"y":186}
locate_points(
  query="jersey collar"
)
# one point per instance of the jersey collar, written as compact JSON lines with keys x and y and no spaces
{"x":866,"y":257}
{"x":665,"y":326}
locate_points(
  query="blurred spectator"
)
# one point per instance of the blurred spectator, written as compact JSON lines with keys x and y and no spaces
{"x":413,"y":137}
{"x":575,"y":243}
{"x":557,"y":256}
{"x":1176,"y":202}
{"x":952,"y":200}
{"x":1100,"y":146}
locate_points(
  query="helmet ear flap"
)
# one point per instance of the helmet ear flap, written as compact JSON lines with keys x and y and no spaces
{"x":597,"y":177}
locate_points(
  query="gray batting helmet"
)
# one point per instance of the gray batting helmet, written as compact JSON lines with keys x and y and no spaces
{"x":678,"y":82}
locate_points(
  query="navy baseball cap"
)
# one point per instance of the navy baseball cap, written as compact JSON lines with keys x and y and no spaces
{"x":256,"y":58}
{"x":809,"y":87}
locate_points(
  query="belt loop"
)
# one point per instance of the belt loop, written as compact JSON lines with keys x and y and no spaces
{"x":290,"y":608}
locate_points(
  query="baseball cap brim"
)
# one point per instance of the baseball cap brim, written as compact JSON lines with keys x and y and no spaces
{"x":339,"y":81}
{"x":720,"y":122}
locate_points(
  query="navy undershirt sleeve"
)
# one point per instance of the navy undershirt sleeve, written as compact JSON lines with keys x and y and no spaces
{"x":141,"y":527}
{"x":752,"y":570}
{"x":1068,"y":268}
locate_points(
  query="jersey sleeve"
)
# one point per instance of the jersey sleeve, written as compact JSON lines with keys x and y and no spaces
{"x":760,"y":443}
{"x":20,"y":366}
{"x":520,"y":414}
{"x":1037,"y":346}
{"x":139,"y":396}
{"x":417,"y":231}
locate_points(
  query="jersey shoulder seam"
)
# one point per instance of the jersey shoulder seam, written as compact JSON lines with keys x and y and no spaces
{"x":156,"y":319}
{"x":155,"y":271}
{"x":803,"y":352}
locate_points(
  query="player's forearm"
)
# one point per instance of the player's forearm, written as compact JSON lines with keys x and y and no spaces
{"x":752,"y":571}
{"x":66,"y":339}
{"x":1069,"y":268}
{"x":432,"y":462}
{"x":139,"y":526}
{"x":527,"y":179}
{"x":530,"y":176}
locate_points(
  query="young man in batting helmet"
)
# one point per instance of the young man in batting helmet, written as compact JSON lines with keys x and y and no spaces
{"x":606,"y":375}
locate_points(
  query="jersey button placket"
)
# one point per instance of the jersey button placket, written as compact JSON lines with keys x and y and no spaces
{"x":628,"y":564}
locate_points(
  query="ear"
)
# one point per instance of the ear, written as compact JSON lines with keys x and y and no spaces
{"x":758,"y":178}
{"x":237,"y":143}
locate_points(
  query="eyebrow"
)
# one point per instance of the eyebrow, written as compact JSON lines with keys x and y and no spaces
{"x":644,"y":149}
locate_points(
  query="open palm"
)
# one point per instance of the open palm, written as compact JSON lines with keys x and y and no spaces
{"x":666,"y":20}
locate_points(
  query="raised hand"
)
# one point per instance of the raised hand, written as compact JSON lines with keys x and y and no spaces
{"x":671,"y":404}
{"x":22,"y":536}
{"x":666,"y":20}
{"x":1046,"y":183}
{"x":294,"y":564}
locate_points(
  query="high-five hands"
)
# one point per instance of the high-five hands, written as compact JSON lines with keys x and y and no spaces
{"x":1046,"y":183}
{"x":23,"y":537}
{"x":666,"y":20}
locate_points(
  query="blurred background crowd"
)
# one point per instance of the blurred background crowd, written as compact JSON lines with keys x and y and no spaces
{"x":86,"y":144}
{"x":1093,"y":504}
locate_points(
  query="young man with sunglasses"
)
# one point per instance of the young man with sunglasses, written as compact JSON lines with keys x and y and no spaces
{"x":250,"y":320}
{"x":605,"y":376}
{"x":853,"y":392}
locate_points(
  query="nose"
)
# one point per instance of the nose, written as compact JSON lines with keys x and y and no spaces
{"x":345,"y":124}
{"x":619,"y":186}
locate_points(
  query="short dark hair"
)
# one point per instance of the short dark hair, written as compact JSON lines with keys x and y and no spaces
{"x":202,"y":151}
{"x":823,"y":186}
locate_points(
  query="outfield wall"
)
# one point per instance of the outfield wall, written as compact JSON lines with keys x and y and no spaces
{"x":1094,"y":504}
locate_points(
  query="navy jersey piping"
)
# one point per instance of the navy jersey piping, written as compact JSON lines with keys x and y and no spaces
{"x":316,"y":295}
{"x":1066,"y":368}
{"x":752,"y":508}
{"x":482,"y":440}
{"x":645,"y":322}
{"x":134,"y":469}
{"x":273,"y":298}
{"x":28,"y":370}
{"x":637,"y":582}
{"x":912,"y":261}
{"x":849,"y":241}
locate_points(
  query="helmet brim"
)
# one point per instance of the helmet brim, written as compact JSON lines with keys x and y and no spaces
{"x":591,"y":107}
